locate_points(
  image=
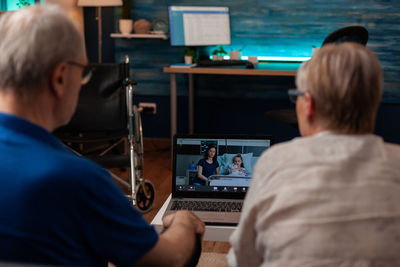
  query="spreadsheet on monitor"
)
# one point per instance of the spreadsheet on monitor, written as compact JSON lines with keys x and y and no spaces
{"x":198,"y":26}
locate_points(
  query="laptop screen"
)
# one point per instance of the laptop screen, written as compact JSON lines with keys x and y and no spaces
{"x":216,"y":164}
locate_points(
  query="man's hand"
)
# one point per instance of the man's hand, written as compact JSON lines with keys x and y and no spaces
{"x":186,"y":219}
{"x":177,"y":243}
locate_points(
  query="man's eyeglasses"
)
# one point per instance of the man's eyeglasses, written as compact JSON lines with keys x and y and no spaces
{"x":86,"y":74}
{"x":294,"y":94}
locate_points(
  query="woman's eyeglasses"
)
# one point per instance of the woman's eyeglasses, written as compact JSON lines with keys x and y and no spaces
{"x":294,"y":94}
{"x":86,"y":73}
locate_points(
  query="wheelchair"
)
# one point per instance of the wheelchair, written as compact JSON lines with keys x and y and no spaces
{"x":106,"y":120}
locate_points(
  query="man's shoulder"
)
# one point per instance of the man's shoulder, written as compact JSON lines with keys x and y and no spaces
{"x":75,"y":166}
{"x":43,"y":154}
{"x":55,"y":161}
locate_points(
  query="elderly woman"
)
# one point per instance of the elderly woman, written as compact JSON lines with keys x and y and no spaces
{"x":329,"y":198}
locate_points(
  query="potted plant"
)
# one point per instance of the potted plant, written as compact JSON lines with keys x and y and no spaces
{"x":23,"y":3}
{"x":190,"y":55}
{"x":219,"y":53}
{"x":236,"y":54}
{"x":126,"y":23}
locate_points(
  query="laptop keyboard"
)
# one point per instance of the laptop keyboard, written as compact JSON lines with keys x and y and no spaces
{"x":207,"y":206}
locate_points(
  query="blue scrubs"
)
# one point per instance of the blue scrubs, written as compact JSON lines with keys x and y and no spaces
{"x":208,"y":170}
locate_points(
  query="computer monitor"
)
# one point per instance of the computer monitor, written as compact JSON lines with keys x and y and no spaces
{"x":199,"y":25}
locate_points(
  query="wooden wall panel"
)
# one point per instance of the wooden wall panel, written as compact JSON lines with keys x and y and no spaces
{"x":270,"y":28}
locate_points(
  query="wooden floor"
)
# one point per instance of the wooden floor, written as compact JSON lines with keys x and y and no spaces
{"x":157,"y":169}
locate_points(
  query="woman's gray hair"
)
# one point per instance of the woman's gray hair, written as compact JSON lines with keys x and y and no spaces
{"x":346,"y":83}
{"x":33,"y":41}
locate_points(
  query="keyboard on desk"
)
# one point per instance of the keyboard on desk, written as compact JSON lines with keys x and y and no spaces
{"x":225,"y":63}
{"x":220,"y":206}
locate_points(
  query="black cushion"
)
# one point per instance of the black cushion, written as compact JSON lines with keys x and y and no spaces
{"x":357,"y":34}
{"x":102,"y":101}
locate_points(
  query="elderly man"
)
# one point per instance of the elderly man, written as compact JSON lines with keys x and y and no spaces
{"x":57,"y":208}
{"x":330,"y":198}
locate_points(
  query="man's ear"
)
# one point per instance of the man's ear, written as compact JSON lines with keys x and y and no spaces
{"x":309,"y":105}
{"x":58,"y":79}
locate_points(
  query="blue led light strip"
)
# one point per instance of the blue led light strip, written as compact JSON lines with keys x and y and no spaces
{"x":288,"y":59}
{"x":263,"y":58}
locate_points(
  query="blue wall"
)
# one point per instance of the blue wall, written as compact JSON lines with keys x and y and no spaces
{"x":263,"y":28}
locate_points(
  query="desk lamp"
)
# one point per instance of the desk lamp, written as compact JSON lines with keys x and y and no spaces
{"x":99,"y":4}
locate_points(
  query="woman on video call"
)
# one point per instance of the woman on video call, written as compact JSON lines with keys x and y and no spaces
{"x":207,"y":166}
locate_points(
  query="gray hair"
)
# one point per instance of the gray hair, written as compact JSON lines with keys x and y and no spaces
{"x":33,"y":41}
{"x":346,"y":83}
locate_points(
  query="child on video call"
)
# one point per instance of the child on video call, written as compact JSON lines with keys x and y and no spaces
{"x":237,"y":167}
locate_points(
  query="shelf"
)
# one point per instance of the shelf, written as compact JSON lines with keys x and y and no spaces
{"x":135,"y":35}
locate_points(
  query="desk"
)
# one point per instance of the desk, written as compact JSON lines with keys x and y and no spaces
{"x":262,"y":69}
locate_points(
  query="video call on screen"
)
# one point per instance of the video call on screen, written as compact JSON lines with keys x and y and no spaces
{"x":232,"y":178}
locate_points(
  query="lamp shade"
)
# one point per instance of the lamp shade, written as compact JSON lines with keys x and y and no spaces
{"x":99,"y":2}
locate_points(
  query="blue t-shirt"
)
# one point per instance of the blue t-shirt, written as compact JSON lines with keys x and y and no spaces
{"x":58,"y":208}
{"x":208,"y":170}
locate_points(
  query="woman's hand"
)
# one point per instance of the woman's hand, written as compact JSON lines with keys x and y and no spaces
{"x":200,"y":173}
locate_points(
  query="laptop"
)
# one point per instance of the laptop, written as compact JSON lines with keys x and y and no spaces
{"x":218,"y":199}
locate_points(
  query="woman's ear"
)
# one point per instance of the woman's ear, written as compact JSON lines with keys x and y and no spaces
{"x":58,"y":79}
{"x":309,"y":105}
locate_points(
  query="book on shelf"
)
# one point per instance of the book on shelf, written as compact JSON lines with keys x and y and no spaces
{"x":183,"y":65}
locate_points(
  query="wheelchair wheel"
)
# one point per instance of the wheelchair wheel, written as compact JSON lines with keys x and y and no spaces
{"x":145,"y":196}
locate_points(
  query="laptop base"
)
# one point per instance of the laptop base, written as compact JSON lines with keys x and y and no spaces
{"x":214,"y":232}
{"x":211,"y":217}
